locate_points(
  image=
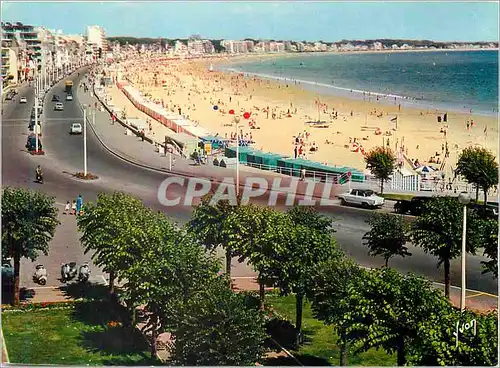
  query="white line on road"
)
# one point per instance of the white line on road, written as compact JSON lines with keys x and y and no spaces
{"x":105,"y":281}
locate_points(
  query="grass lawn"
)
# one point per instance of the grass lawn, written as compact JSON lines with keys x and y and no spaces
{"x":320,"y":341}
{"x":79,"y":335}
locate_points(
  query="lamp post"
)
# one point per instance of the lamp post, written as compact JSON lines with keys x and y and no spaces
{"x":464,"y":199}
{"x":236,"y":126}
{"x":85,"y":142}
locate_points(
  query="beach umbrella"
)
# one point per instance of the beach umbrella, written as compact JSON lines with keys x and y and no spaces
{"x":231,"y":112}
{"x":425,"y":169}
{"x":216,"y":107}
{"x":246,"y":115}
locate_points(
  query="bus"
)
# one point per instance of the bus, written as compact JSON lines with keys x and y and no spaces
{"x":69,"y":86}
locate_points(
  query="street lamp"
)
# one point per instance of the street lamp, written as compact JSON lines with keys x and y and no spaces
{"x":464,"y":199}
{"x":236,"y":126}
{"x":85,"y":142}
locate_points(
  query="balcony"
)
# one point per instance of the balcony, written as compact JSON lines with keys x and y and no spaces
{"x":29,"y":36}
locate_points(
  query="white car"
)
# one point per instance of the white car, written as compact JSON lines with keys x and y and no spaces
{"x":59,"y":107}
{"x":365,"y":198}
{"x":69,"y":98}
{"x":76,"y":128}
{"x":23,"y":100}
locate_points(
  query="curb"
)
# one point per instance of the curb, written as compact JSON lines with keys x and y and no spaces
{"x":5,"y":354}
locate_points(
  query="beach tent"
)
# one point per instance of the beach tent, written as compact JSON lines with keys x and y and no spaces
{"x":216,"y":141}
{"x":425,"y":169}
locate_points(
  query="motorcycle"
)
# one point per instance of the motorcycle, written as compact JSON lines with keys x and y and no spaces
{"x":40,"y":275}
{"x":39,"y":178}
{"x":68,"y":271}
{"x":84,"y":273}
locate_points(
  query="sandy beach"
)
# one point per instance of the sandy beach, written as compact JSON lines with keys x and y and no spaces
{"x":279,"y":112}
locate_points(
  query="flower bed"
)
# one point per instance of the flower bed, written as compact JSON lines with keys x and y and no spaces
{"x":37,"y":153}
{"x":27,"y":307}
{"x":89,"y":176}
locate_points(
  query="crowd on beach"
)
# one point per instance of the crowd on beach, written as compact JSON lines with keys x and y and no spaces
{"x":275,"y":112}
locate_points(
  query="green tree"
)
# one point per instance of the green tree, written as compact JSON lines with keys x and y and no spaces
{"x":381,"y":161}
{"x":479,"y":167}
{"x":257,"y":233}
{"x":172,"y":267}
{"x":329,"y":296}
{"x":388,"y":236}
{"x":216,"y":328}
{"x":29,"y":220}
{"x":308,"y":216}
{"x":438,"y":230}
{"x":389,"y":308}
{"x":209,"y":223}
{"x":435,"y":342}
{"x":489,"y":242}
{"x":110,"y":228}
{"x":304,"y":245}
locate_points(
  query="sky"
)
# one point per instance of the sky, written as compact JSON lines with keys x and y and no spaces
{"x":310,"y":21}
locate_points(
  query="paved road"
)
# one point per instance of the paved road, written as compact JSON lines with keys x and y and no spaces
{"x":65,"y":156}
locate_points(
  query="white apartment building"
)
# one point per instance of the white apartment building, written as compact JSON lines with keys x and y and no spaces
{"x":235,"y":47}
{"x":96,"y":37}
{"x":377,"y":46}
{"x":199,"y":47}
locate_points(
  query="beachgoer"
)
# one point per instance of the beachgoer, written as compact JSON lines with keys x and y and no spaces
{"x":67,"y":208}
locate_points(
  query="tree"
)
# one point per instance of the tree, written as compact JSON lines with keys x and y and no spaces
{"x":209,"y":223}
{"x":310,"y":218}
{"x":389,"y":308}
{"x":381,"y":161}
{"x":438,"y":230}
{"x":489,"y":241}
{"x":306,"y":243}
{"x":257,"y":234}
{"x":387,"y":236}
{"x":328,"y":293}
{"x":172,"y":267}
{"x":436,"y":345}
{"x":479,"y":167}
{"x":216,"y":328}
{"x":110,"y":229}
{"x":29,"y":220}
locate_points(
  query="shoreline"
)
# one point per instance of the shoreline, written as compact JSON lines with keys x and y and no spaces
{"x":189,"y":85}
{"x":358,"y":94}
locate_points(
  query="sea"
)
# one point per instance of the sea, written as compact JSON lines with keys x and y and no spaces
{"x":458,"y":81}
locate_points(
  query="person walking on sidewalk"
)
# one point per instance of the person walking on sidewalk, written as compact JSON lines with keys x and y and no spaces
{"x":79,"y":204}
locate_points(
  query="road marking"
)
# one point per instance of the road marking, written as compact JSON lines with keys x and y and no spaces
{"x":43,"y":287}
{"x":473,"y":296}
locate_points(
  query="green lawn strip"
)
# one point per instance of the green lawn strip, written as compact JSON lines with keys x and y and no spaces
{"x":80,"y":335}
{"x":397,"y":197}
{"x":320,"y":340}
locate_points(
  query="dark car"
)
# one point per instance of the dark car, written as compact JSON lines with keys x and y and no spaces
{"x":7,"y":274}
{"x":31,"y":143}
{"x":9,"y":95}
{"x":413,"y":207}
{"x":55,"y":98}
{"x":488,"y":212}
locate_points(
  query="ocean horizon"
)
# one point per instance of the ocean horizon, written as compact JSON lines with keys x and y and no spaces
{"x":455,"y":81}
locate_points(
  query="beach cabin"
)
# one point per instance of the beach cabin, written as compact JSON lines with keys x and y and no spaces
{"x":217,"y":143}
{"x":230,"y":152}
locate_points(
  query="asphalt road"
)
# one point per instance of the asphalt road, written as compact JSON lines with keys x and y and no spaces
{"x":64,"y":157}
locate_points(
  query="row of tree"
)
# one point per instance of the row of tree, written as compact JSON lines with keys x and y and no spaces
{"x":438,"y":231}
{"x":165,"y":269}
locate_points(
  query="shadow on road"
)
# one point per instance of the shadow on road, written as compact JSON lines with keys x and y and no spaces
{"x":86,"y":291}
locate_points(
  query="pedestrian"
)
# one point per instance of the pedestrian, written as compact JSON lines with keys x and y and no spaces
{"x":79,"y":204}
{"x":67,"y":208}
{"x":73,"y":207}
{"x":302,"y":174}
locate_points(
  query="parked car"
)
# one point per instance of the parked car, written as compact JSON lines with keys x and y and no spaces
{"x":488,"y":212}
{"x":76,"y":128}
{"x":31,"y":143}
{"x":55,"y":98}
{"x":23,"y":99}
{"x":365,"y":198}
{"x":413,"y":207}
{"x":59,"y":107}
{"x":10,"y":95}
{"x":69,"y":97}
{"x":7,"y":273}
